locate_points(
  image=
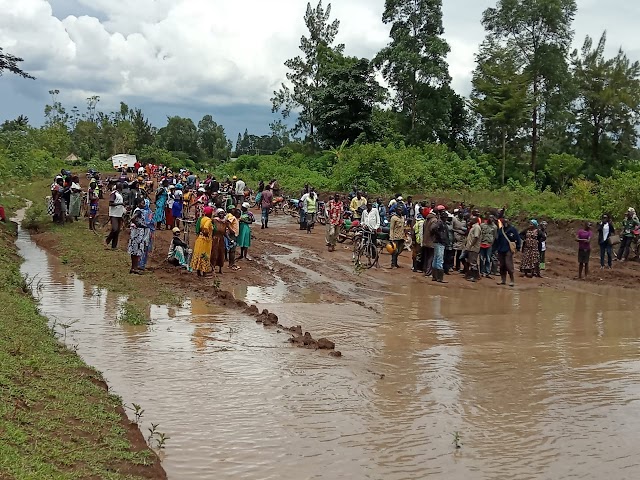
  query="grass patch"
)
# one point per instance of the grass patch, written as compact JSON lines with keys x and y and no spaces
{"x":131,"y":314}
{"x":56,"y":419}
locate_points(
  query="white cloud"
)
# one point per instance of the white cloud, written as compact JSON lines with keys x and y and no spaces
{"x":221,"y":52}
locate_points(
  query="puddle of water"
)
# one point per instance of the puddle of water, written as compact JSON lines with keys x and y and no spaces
{"x":540,"y":384}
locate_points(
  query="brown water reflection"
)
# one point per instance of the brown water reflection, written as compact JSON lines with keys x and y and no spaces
{"x":540,"y":384}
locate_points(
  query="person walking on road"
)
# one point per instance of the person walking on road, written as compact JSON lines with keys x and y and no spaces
{"x":266,"y":202}
{"x":396,"y":234}
{"x":335,"y":211}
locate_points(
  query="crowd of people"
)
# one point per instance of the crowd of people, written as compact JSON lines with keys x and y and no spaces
{"x":216,"y":213}
{"x":439,"y":239}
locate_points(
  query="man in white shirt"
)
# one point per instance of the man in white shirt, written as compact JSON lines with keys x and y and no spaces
{"x":370,"y":218}
{"x":239,"y":191}
{"x":116,"y":212}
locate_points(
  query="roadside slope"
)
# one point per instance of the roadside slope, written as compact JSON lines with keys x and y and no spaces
{"x":57,"y":418}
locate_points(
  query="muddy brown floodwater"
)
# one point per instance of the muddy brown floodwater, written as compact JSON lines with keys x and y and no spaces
{"x":538,"y":383}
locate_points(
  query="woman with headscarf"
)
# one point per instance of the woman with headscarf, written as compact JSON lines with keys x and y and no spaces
{"x":176,"y":209}
{"x":59,"y":210}
{"x":150,"y":232}
{"x":75,"y":198}
{"x":168,"y":210}
{"x":219,"y":235}
{"x":201,"y":258}
{"x":244,"y":238}
{"x":162,"y":195}
{"x":202,"y":200}
{"x":137,"y":238}
{"x":530,"y":253}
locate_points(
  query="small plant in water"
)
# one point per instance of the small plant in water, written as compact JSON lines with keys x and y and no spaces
{"x":161,"y":439}
{"x":65,"y":327}
{"x":152,"y":432}
{"x":457,"y":440}
{"x":131,"y":315}
{"x":137,"y":410}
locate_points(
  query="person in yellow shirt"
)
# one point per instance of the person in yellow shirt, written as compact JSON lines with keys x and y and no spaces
{"x":358,"y":203}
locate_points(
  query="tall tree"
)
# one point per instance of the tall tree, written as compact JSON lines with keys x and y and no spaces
{"x":55,"y":114}
{"x":345,"y":99}
{"x":414,"y":63}
{"x":212,"y":139}
{"x":10,"y":63}
{"x":304,"y":74}
{"x":281,"y":132}
{"x":608,"y":104}
{"x":19,"y":124}
{"x":144,"y":131}
{"x":539,"y":31}
{"x":500,"y":99}
{"x":180,"y":135}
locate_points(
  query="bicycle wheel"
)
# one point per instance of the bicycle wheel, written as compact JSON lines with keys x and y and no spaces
{"x":373,"y":255}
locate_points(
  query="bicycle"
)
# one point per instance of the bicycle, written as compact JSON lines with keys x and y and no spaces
{"x":365,"y":249}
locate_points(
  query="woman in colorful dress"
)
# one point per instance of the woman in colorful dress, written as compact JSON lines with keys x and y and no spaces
{"x":137,"y":238}
{"x":162,"y":195}
{"x":530,"y":252}
{"x":217,"y":245}
{"x":75,"y":198}
{"x":168,"y":209}
{"x":150,"y":232}
{"x":244,"y":238}
{"x":201,"y":258}
{"x":202,"y":200}
{"x":59,"y":210}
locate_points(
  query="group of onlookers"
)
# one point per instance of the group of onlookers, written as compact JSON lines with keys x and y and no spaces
{"x":607,"y":240}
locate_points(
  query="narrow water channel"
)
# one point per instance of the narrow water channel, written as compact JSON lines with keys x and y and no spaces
{"x":538,"y":384}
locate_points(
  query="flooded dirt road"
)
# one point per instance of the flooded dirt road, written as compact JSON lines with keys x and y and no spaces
{"x":538,"y":383}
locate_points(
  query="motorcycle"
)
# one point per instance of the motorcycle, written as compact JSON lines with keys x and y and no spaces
{"x":322,"y":213}
{"x":291,"y":207}
{"x":349,"y":228}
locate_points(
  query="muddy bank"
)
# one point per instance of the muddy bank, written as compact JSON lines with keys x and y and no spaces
{"x":63,"y":421}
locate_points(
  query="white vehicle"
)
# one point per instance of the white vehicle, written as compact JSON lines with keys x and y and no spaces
{"x":123,"y":160}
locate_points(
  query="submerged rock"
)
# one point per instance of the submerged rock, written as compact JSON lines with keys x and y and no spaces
{"x":325,"y":344}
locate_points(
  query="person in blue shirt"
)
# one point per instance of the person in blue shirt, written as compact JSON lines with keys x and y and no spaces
{"x":506,"y":244}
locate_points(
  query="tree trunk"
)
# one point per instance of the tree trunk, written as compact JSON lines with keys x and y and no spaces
{"x":595,"y":143}
{"x":504,"y":153}
{"x":534,"y":128}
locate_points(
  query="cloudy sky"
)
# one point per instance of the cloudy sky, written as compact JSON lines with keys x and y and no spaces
{"x":222,"y":57}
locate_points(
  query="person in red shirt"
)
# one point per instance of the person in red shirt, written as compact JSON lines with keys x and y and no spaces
{"x":335,"y":210}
